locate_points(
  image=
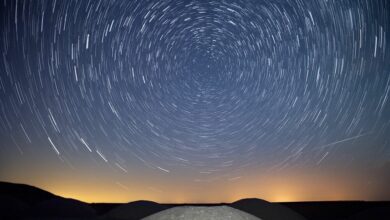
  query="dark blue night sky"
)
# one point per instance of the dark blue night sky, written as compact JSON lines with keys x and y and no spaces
{"x":164,"y":99}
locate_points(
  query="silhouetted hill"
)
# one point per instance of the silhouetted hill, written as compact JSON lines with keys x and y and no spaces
{"x":135,"y":210}
{"x":12,"y":208}
{"x":20,"y":201}
{"x":103,"y":208}
{"x":61,"y":207}
{"x":24,"y":193}
{"x":266,"y":210}
{"x":378,"y":213}
{"x":338,"y":209}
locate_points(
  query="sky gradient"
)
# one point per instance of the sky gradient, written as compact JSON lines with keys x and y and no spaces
{"x":196,"y":101}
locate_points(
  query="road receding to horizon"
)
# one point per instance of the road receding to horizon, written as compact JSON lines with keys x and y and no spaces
{"x":201,"y":213}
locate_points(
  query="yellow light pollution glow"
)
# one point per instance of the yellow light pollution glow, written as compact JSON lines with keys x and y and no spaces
{"x":301,"y":185}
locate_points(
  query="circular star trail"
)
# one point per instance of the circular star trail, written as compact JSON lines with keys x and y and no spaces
{"x":209,"y":88}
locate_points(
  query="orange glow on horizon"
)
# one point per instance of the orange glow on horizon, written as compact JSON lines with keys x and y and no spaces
{"x":287,"y":186}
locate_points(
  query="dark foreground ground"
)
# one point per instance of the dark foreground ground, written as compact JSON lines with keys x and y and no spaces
{"x":18,"y":201}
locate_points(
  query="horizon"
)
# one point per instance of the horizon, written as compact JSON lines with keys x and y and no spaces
{"x":197,"y":101}
{"x":196,"y":203}
{"x":74,"y":195}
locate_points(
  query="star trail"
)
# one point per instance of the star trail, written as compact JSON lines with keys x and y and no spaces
{"x":164,"y":100}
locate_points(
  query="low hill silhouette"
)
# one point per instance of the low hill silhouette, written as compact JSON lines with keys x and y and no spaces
{"x":20,"y":201}
{"x":13,"y":208}
{"x":339,"y":209}
{"x":135,"y":210}
{"x":62,"y":207}
{"x":30,"y":195}
{"x":372,"y":213}
{"x":266,"y":210}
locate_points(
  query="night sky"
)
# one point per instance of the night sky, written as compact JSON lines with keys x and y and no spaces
{"x":196,"y":101}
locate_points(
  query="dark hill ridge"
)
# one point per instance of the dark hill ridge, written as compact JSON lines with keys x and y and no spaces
{"x":12,"y":208}
{"x":103,"y":208}
{"x":30,"y":195}
{"x":20,"y":201}
{"x":372,"y":213}
{"x":266,"y":210}
{"x":342,"y":209}
{"x":62,"y":207}
{"x":135,"y":210}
